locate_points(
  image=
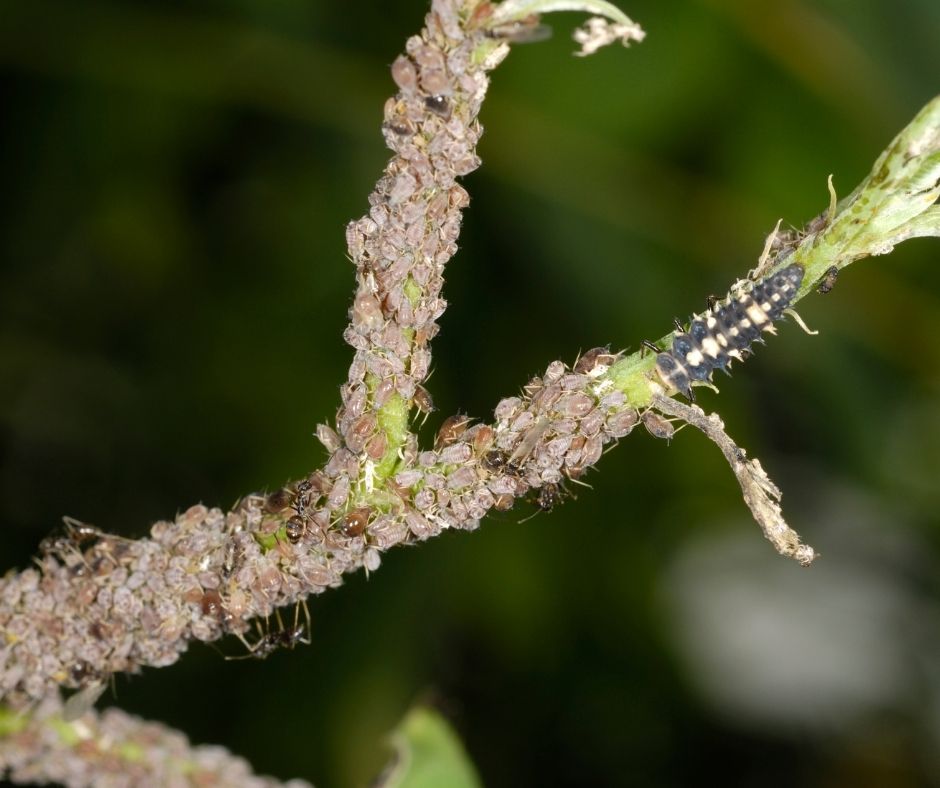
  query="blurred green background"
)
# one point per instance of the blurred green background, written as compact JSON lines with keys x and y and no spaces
{"x":173,"y":287}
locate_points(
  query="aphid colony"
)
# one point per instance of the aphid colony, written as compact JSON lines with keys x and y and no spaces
{"x":727,"y":331}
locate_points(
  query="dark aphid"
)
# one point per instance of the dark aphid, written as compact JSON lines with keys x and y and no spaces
{"x":828,"y":280}
{"x":452,"y":428}
{"x":494,"y":461}
{"x":727,"y":330}
{"x":356,"y":521}
{"x":657,"y":426}
{"x":277,"y":501}
{"x":438,"y":105}
{"x":82,"y":671}
{"x":401,"y":128}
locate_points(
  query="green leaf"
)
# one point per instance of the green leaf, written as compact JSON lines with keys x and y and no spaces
{"x":428,"y":755}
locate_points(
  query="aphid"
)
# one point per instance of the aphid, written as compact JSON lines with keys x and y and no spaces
{"x":231,"y":558}
{"x":726,"y":331}
{"x":483,"y":437}
{"x":423,"y":401}
{"x":452,"y":428}
{"x":438,"y":105}
{"x":86,"y":697}
{"x":828,"y":280}
{"x":503,"y":502}
{"x":592,"y":358}
{"x":494,"y":461}
{"x":356,"y":521}
{"x":211,"y":603}
{"x":657,"y":426}
{"x":328,"y":437}
{"x":522,"y":31}
{"x":80,"y":671}
{"x":528,"y":443}
{"x":277,"y":501}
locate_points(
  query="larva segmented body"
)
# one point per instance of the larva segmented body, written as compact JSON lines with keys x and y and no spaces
{"x":726,"y":329}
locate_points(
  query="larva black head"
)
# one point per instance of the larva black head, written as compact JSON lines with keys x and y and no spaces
{"x":727,"y":330}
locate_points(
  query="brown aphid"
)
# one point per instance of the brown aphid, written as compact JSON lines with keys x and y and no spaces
{"x":452,"y":428}
{"x":295,"y":529}
{"x":657,"y":426}
{"x":593,"y":357}
{"x":503,"y":502}
{"x":405,"y":74}
{"x":360,"y":431}
{"x":355,"y":522}
{"x":277,"y":501}
{"x":423,"y":401}
{"x":211,"y":604}
{"x":376,"y":446}
{"x":828,"y":280}
{"x":99,"y":630}
{"x":483,"y":438}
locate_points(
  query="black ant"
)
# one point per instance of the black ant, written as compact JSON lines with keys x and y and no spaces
{"x":270,"y":641}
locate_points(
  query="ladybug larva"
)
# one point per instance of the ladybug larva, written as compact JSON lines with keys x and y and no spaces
{"x":727,"y":329}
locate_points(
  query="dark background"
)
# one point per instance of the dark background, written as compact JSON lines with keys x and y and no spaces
{"x":176,"y":178}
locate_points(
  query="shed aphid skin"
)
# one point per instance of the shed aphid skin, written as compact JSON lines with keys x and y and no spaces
{"x":727,"y":330}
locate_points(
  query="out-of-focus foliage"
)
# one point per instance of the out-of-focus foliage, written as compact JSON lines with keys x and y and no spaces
{"x":427,"y":755}
{"x":173,"y":287}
